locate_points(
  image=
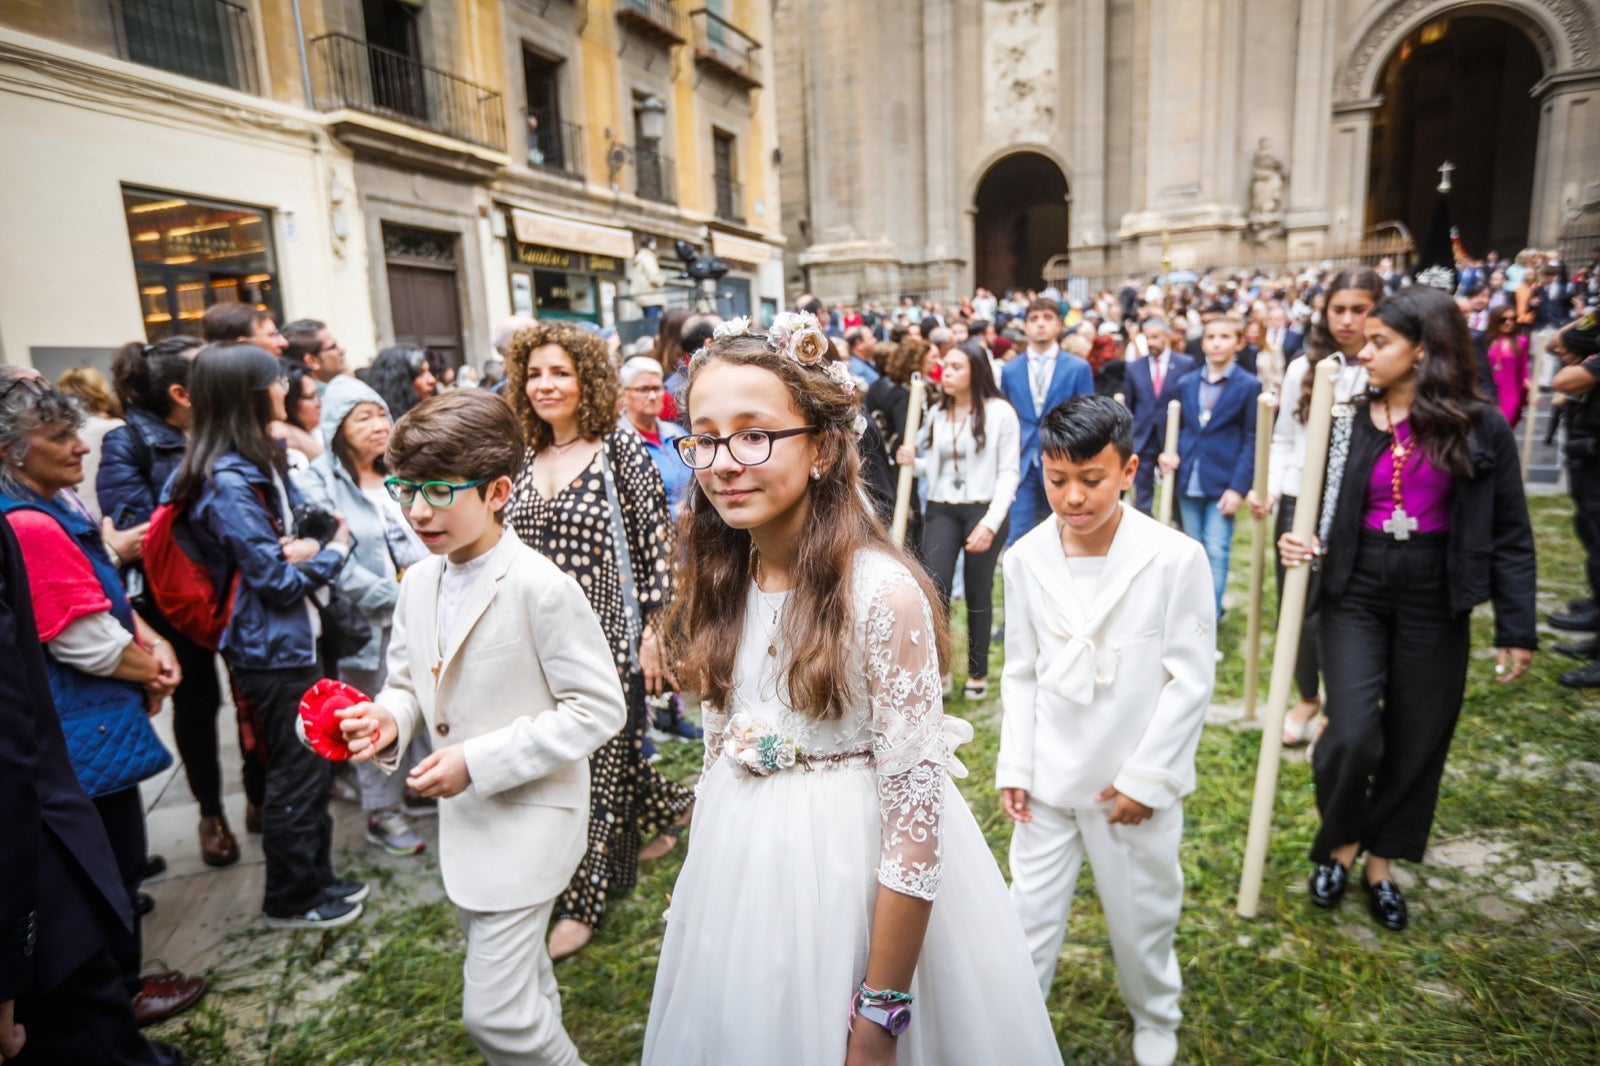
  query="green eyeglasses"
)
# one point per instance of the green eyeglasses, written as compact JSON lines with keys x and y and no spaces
{"x":438,"y":494}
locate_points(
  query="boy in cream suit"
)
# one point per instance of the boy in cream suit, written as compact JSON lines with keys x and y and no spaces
{"x":1110,"y":630}
{"x":498,"y":658}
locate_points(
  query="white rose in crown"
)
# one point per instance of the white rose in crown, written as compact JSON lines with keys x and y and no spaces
{"x":734,"y":327}
{"x":808,"y":347}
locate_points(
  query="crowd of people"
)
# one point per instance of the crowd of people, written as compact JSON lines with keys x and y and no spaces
{"x":522,"y":574}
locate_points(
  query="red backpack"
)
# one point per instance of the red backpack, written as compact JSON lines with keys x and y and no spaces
{"x":176,"y":574}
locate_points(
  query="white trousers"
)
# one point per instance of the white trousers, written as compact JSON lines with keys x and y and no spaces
{"x":1140,"y":883}
{"x":511,"y":1006}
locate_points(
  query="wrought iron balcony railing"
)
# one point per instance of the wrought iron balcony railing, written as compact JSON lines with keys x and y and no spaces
{"x":656,"y":17}
{"x":656,"y":177}
{"x":553,"y":144}
{"x":720,"y":44}
{"x":205,"y":39}
{"x":730,"y":198}
{"x":364,"y":77}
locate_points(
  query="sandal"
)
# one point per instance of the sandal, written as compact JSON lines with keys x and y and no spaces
{"x":975,"y":689}
{"x":1296,"y":733}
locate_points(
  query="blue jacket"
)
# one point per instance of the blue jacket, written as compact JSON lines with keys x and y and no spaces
{"x":326,"y":483}
{"x":675,"y":476}
{"x":129,"y":483}
{"x":1149,"y":410}
{"x":1072,"y":377}
{"x":88,"y":705}
{"x":1225,"y":445}
{"x":270,"y":627}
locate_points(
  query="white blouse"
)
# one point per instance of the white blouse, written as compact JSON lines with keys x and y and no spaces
{"x":1288,"y":456}
{"x":958,"y":471}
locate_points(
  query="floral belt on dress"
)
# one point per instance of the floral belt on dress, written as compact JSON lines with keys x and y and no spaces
{"x":757,"y":748}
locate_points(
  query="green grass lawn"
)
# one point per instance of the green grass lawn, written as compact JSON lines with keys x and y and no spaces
{"x":1501,"y":963}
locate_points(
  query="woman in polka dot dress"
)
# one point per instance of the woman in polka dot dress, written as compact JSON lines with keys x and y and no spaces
{"x":564,"y":390}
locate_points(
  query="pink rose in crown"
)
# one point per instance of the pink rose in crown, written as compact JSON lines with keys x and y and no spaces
{"x":318,"y":721}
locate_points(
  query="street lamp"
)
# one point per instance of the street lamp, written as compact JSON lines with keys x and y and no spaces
{"x":652,"y":117}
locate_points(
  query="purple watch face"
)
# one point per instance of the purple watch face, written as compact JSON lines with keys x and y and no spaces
{"x":897,"y":1019}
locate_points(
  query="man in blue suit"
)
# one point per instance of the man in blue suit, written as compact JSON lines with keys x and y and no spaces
{"x":1035,"y":381}
{"x":1281,"y":335}
{"x":1152,"y":382}
{"x":1216,"y":444}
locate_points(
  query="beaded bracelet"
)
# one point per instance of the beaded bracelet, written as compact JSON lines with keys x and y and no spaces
{"x":885,"y":996}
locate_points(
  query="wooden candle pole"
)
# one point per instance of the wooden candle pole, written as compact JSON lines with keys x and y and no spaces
{"x":908,"y":473}
{"x":1169,"y":481}
{"x":1260,"y":537}
{"x":1291,"y":615}
{"x":1530,"y":413}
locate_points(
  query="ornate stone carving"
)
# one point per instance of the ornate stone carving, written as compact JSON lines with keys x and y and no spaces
{"x":1021,"y":86}
{"x":1579,"y":37}
{"x":1268,"y":179}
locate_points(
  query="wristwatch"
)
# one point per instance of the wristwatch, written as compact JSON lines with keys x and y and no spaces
{"x":895,"y":1017}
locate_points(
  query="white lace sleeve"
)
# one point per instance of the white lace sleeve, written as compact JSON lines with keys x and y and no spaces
{"x":714,"y":724}
{"x":907,"y":735}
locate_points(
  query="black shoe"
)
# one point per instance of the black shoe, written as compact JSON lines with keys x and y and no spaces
{"x":1585,"y":621}
{"x":1386,"y":904}
{"x":143,"y":904}
{"x":154,"y":866}
{"x":1587,"y":676}
{"x":1327,"y":883}
{"x":349,"y":891}
{"x":1584,"y":604}
{"x":1582,"y":650}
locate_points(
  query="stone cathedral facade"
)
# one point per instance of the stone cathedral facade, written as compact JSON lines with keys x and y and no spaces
{"x":934,"y":145}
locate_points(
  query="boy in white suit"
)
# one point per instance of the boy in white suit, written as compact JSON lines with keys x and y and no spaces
{"x":1110,"y":633}
{"x":498,"y":659}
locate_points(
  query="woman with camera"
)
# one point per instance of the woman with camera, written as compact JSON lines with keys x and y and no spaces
{"x":241,"y":507}
{"x":347,"y":478}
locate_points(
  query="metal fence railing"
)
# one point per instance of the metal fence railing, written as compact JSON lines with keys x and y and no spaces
{"x":554,"y":144}
{"x":205,"y":39}
{"x":378,"y":81}
{"x":730,"y":198}
{"x":720,"y":41}
{"x":655,"y":176}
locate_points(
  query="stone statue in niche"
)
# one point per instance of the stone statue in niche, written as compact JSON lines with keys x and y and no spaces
{"x":1021,"y":84}
{"x":1268,"y":177}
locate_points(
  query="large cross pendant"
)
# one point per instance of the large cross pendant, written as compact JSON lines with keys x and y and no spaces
{"x":1400,"y":525}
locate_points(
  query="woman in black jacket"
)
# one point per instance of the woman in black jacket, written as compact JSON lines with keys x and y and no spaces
{"x":1423,"y":518}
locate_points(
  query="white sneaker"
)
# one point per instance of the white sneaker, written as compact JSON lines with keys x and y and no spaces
{"x":1154,"y":1047}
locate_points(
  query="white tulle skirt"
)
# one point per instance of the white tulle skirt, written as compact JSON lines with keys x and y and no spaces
{"x":771,"y":919}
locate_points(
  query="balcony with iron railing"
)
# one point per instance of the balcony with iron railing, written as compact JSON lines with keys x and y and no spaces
{"x":377,"y":81}
{"x":730,"y":199}
{"x":206,"y":39}
{"x":654,"y":18}
{"x":554,"y":145}
{"x":655,"y":176}
{"x":724,"y":48}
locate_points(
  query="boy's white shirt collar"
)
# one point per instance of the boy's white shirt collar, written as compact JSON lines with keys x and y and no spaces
{"x":478,"y":597}
{"x":1071,"y":675}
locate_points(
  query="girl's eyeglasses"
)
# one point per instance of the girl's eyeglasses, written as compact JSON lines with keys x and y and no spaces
{"x":437,"y":494}
{"x":749,"y":447}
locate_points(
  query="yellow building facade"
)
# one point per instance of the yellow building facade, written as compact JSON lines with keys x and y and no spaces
{"x":407,"y":171}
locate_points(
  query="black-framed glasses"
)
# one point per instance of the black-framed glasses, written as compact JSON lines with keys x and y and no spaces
{"x":34,"y":385}
{"x":437,"y":494}
{"x":749,"y":447}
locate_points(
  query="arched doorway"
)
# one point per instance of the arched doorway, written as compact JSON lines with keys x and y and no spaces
{"x":1021,"y":221}
{"x":1457,"y":89}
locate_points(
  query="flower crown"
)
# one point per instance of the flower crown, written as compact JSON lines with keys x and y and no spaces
{"x":798,"y":336}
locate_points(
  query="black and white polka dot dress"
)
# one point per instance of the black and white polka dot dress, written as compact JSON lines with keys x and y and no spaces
{"x":629,"y":801}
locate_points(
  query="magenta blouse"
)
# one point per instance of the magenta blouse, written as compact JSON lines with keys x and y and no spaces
{"x":1426,"y":490}
{"x":1509,"y":361}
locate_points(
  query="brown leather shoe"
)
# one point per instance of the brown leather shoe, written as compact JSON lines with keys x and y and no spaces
{"x":217,"y":844}
{"x":166,"y":994}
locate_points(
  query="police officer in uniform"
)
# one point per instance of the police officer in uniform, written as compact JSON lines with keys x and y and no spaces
{"x":1578,"y":347}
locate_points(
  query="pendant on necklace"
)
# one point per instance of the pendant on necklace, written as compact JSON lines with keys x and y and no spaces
{"x":772,"y":650}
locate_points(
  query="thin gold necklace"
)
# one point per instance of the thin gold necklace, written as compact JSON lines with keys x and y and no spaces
{"x":777,"y":614}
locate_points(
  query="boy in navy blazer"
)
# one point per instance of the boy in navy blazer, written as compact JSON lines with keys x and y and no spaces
{"x":1216,"y":444}
{"x":1152,"y":382}
{"x":1035,"y":381}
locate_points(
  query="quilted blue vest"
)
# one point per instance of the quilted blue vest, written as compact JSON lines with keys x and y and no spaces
{"x":109,"y":737}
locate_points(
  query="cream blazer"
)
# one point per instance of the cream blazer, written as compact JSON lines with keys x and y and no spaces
{"x":1113,"y":690}
{"x":528,"y":685}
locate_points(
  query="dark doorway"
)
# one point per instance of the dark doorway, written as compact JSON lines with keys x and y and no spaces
{"x":1457,"y":89}
{"x":1022,"y":221}
{"x":542,"y":81}
{"x":424,"y":301}
{"x":395,"y":57}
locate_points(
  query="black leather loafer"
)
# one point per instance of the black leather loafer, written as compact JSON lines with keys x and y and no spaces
{"x":1327,"y":883}
{"x":1386,"y":903}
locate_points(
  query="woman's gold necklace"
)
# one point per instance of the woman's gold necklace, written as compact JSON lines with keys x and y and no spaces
{"x":777,"y":613}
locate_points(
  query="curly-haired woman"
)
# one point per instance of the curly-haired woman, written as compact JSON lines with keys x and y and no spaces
{"x":589,"y":497}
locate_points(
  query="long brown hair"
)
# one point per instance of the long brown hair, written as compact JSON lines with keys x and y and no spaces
{"x":716,"y":565}
{"x":598,"y":387}
{"x":1320,"y":342}
{"x":1446,"y":402}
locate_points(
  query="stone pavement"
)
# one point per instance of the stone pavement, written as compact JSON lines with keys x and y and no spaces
{"x":197,"y":907}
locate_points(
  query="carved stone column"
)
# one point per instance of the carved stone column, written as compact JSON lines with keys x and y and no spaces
{"x":1308,"y":216}
{"x":1565,"y":177}
{"x":1349,"y":148}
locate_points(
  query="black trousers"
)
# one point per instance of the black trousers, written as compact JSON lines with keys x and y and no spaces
{"x":1305,"y":662}
{"x":123,"y":816}
{"x":296,"y":828}
{"x":946,"y":527}
{"x":1583,"y":480}
{"x":1395,"y":663}
{"x":88,"y":1018}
